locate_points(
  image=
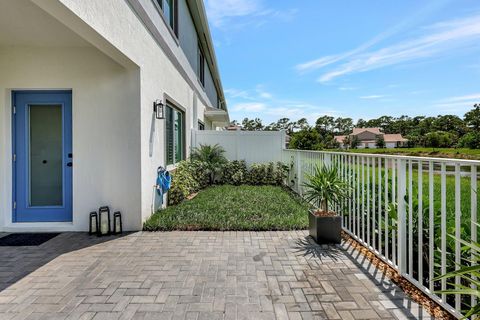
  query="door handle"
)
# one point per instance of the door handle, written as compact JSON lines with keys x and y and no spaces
{"x":69,"y":164}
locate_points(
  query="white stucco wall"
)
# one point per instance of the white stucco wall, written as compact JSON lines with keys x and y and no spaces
{"x":117,"y":143}
{"x":159,"y":77}
{"x":106,"y":129}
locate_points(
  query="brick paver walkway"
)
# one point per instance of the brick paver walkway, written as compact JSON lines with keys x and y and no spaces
{"x":195,"y":275}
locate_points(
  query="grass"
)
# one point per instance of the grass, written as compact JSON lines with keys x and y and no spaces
{"x":236,"y":208}
{"x":461,"y":153}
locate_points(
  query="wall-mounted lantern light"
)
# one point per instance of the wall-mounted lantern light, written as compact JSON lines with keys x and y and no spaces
{"x":158,"y":109}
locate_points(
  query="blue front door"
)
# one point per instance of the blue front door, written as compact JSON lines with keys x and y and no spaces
{"x":42,"y":155}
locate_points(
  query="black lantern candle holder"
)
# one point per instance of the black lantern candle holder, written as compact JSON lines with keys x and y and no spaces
{"x":117,"y":222}
{"x":104,"y":221}
{"x":93,"y":228}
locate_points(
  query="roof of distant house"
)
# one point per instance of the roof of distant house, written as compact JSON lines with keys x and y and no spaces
{"x":394,"y":137}
{"x":360,"y":130}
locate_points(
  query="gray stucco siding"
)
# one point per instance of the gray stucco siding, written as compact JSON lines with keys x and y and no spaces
{"x":210,"y":88}
{"x":187,"y":34}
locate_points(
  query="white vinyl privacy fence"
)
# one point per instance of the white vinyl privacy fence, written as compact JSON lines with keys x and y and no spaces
{"x":251,"y":146}
{"x":411,"y":212}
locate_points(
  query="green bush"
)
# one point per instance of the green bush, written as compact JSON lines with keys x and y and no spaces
{"x":267,"y":174}
{"x":184,"y":183}
{"x":471,"y":140}
{"x":193,"y":175}
{"x":235,"y":173}
{"x":440,"y":139}
{"x":201,"y":173}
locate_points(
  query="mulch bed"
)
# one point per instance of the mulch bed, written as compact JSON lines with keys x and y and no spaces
{"x":416,"y":294}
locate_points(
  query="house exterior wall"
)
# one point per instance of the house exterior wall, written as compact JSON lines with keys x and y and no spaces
{"x":106,"y":129}
{"x":210,"y":88}
{"x":187,"y":34}
{"x":134,"y":59}
{"x":159,"y":79}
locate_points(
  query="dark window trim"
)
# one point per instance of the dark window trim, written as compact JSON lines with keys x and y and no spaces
{"x":170,"y":103}
{"x":201,"y":66}
{"x":159,"y":5}
{"x":201,"y":124}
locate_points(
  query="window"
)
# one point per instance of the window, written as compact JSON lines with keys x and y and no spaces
{"x":201,"y":125}
{"x":175,"y":134}
{"x":201,"y":66}
{"x":169,"y":9}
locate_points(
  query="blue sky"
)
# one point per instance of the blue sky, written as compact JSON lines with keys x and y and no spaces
{"x":359,"y":59}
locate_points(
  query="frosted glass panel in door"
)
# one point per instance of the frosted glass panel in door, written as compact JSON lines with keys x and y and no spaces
{"x":45,"y":155}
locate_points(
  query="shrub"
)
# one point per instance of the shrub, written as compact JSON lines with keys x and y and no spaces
{"x":470,"y":140}
{"x":235,"y":173}
{"x":213,"y":157}
{"x":440,"y":139}
{"x":267,"y":173}
{"x":201,"y":173}
{"x":183,"y":183}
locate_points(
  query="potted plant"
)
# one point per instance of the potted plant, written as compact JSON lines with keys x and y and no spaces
{"x":324,"y":188}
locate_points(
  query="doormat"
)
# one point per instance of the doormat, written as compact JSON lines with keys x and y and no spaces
{"x":26,"y":239}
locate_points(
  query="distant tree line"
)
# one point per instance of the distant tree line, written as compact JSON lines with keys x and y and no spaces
{"x":443,"y":131}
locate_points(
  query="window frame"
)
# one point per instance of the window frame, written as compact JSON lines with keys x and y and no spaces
{"x":201,"y":125}
{"x":170,"y":105}
{"x":174,"y":15}
{"x":201,"y":67}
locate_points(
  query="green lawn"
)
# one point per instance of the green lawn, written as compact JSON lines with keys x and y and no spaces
{"x":426,"y":152}
{"x":238,"y":208}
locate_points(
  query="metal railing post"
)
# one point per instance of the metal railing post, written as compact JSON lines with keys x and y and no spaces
{"x":402,"y":215}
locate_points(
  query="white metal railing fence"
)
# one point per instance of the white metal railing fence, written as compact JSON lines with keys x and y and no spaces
{"x":410,"y":211}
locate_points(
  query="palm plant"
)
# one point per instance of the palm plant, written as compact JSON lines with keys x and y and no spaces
{"x":213,"y":157}
{"x":469,"y":273}
{"x":325,"y":187}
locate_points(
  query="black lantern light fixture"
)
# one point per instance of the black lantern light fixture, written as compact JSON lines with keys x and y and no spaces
{"x":159,"y":109}
{"x":104,"y":221}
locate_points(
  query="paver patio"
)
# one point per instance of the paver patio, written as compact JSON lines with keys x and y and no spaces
{"x":195,"y":275}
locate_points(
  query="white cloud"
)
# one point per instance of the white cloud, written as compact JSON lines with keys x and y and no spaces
{"x":457,"y":104}
{"x":221,"y":10}
{"x":346,"y":88}
{"x":372,"y":97}
{"x":249,"y":107}
{"x":235,"y":93}
{"x":262,"y":93}
{"x":399,"y":27}
{"x":436,"y":40}
{"x":469,"y":97}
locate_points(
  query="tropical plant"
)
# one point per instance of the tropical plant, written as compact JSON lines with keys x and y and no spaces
{"x":469,"y":272}
{"x":213,"y":156}
{"x":325,"y":187}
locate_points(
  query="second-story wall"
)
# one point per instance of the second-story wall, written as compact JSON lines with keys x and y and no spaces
{"x":188,"y":40}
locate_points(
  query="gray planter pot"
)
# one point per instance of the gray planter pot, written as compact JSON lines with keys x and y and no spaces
{"x":325,"y":230}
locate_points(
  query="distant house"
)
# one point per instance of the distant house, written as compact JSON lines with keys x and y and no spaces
{"x":367,"y":138}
